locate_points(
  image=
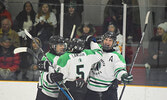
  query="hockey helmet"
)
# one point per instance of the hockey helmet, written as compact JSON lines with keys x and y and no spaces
{"x":54,"y":41}
{"x":110,"y":35}
{"x":76,"y":45}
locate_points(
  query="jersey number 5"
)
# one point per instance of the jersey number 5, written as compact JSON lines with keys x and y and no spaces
{"x":79,"y":72}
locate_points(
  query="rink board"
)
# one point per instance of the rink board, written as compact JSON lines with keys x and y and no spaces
{"x":14,"y":90}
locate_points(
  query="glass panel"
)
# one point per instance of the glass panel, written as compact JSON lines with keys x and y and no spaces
{"x":94,"y":18}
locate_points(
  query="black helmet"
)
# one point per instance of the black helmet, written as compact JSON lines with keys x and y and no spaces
{"x":55,"y":40}
{"x":76,"y":45}
{"x":111,"y":35}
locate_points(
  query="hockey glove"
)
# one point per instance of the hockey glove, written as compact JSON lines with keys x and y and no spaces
{"x":79,"y":83}
{"x":55,"y":77}
{"x":126,"y":78}
{"x":43,"y":66}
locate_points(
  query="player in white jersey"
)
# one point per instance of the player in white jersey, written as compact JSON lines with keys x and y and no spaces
{"x":104,"y":73}
{"x":76,"y":64}
{"x":47,"y":88}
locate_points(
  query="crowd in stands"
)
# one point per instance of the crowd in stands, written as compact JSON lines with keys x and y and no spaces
{"x":41,"y":24}
{"x":45,"y":22}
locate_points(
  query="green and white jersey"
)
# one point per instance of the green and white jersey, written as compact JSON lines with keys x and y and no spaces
{"x":49,"y":89}
{"x":78,"y":65}
{"x":110,"y":67}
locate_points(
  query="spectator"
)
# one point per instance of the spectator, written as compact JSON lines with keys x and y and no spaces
{"x":28,"y":65}
{"x":4,"y":13}
{"x":9,"y":62}
{"x":33,"y":74}
{"x":84,"y":30}
{"x":113,"y":12}
{"x":157,"y":56}
{"x":79,"y":6}
{"x":113,"y":28}
{"x":24,"y":20}
{"x":45,"y":21}
{"x":55,"y":8}
{"x":71,"y":18}
{"x":6,"y":30}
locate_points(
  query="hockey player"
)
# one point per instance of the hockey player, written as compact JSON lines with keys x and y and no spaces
{"x":75,"y":66}
{"x":47,"y":89}
{"x":102,"y":83}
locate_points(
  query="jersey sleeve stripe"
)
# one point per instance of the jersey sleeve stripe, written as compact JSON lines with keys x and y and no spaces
{"x":118,"y":70}
{"x":44,"y":82}
{"x":50,"y":90}
{"x":46,"y":87}
{"x":53,"y":88}
{"x":99,"y":83}
{"x":99,"y":79}
{"x":99,"y":52}
{"x":49,"y":85}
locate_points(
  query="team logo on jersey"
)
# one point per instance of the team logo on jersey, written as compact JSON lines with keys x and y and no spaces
{"x":97,"y":66}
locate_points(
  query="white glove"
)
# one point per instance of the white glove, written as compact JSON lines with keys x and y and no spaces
{"x":19,"y":33}
{"x":147,"y":66}
{"x":42,"y":19}
{"x":22,"y":34}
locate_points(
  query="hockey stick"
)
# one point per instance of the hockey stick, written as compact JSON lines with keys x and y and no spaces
{"x":32,"y":38}
{"x":65,"y":93}
{"x":72,"y":32}
{"x":138,"y":48}
{"x":25,"y":49}
{"x":140,"y":43}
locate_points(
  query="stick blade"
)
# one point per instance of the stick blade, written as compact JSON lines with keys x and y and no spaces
{"x":147,"y":17}
{"x":20,"y":49}
{"x":28,"y":34}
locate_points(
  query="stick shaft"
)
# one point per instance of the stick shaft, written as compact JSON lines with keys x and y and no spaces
{"x":122,"y":91}
{"x":140,"y":43}
{"x":138,"y":48}
{"x":72,"y":32}
{"x":67,"y":91}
